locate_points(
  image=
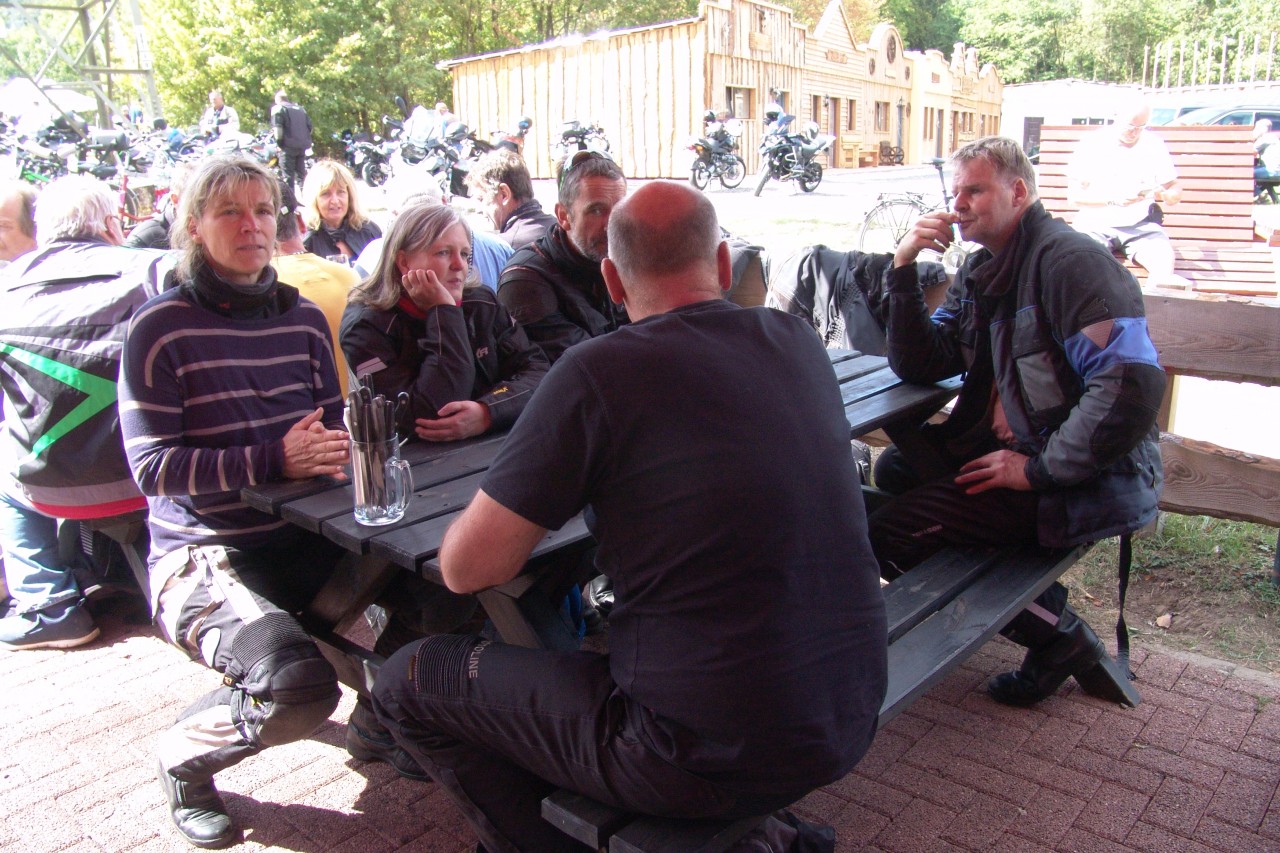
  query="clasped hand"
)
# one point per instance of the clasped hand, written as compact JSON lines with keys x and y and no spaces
{"x":312,"y":449}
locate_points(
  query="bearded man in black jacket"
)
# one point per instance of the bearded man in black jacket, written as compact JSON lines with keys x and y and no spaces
{"x":553,"y":287}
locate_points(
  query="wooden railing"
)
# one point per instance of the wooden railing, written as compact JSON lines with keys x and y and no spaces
{"x":1228,"y":339}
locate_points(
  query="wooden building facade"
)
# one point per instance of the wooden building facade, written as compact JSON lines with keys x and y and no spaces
{"x":648,"y":87}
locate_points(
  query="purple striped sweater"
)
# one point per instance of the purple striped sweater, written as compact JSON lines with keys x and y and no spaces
{"x":205,"y":401}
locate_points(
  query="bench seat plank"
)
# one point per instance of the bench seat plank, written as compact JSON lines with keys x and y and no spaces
{"x":582,"y":818}
{"x":922,"y":656}
{"x":655,"y":835}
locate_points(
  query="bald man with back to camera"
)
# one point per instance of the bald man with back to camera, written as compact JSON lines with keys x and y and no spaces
{"x":747,"y":645}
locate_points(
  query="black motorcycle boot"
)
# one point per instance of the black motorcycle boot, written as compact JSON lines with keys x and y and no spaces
{"x":197,"y":810}
{"x":1071,"y":648}
{"x":369,"y":740}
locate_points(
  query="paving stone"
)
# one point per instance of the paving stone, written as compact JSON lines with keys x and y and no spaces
{"x":1168,"y":729}
{"x":885,"y":750}
{"x":1115,"y":738}
{"x":982,"y":821}
{"x":1177,"y":806}
{"x":856,"y":824}
{"x":920,"y":827}
{"x":1242,"y":801}
{"x":1054,"y":736}
{"x":871,"y":794}
{"x":928,"y":786}
{"x":1156,"y":839}
{"x":1218,"y":756}
{"x":1113,"y":810}
{"x":1224,"y":836}
{"x":1165,"y":763}
{"x":1104,"y":768}
{"x":1047,"y":816}
{"x":1082,"y":840}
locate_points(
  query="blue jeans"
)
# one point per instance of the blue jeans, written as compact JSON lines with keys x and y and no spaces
{"x":36,"y":577}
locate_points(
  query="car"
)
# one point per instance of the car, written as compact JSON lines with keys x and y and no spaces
{"x":1166,"y":114}
{"x":1244,"y":115}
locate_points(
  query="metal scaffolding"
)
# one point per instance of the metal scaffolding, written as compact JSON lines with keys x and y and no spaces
{"x":87,"y":33}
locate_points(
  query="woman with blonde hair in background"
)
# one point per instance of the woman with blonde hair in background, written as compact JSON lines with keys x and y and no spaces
{"x":331,"y":208}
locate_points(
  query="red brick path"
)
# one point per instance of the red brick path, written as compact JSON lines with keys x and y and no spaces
{"x":1196,"y":767}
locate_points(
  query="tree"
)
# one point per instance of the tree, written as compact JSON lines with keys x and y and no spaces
{"x":925,"y":25}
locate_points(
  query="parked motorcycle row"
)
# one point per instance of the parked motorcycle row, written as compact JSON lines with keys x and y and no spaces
{"x":441,"y":147}
{"x":419,"y":141}
{"x":68,"y":145}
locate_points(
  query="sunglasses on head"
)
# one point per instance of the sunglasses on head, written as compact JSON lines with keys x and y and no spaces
{"x":577,"y":158}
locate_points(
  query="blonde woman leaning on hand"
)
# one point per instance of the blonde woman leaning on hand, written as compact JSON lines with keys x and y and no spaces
{"x":423,"y":324}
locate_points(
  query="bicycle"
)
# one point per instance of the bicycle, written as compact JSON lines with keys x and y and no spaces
{"x":894,"y":214}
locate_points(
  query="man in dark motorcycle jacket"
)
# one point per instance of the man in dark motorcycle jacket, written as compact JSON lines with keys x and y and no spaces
{"x":293,"y":135}
{"x":1053,"y":438}
{"x":553,"y":287}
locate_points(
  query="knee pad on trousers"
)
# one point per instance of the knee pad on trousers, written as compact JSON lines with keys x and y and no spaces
{"x":283,"y":687}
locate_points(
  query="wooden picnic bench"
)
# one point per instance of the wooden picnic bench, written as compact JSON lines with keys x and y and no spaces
{"x":939,"y":614}
{"x":1212,"y":227}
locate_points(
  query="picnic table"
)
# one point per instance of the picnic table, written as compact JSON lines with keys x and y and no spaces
{"x":447,"y":475}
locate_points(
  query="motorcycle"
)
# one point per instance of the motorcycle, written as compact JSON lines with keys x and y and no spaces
{"x":791,"y":157}
{"x":367,"y":158}
{"x":715,"y":155}
{"x":513,"y":141}
{"x":576,"y":136}
{"x":264,"y":150}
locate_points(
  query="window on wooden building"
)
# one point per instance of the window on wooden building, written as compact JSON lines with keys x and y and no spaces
{"x":882,"y":116}
{"x":739,"y":103}
{"x":851,"y":115}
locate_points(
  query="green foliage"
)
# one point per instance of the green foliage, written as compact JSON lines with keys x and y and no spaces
{"x":926,"y":25}
{"x":346,"y":62}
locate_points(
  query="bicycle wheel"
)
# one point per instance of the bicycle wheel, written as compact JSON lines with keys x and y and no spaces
{"x":887,"y":223}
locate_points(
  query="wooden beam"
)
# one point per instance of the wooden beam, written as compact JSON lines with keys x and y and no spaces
{"x":1201,"y":478}
{"x":1216,"y":338}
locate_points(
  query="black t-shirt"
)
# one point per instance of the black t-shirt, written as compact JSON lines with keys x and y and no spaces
{"x":712,"y":444}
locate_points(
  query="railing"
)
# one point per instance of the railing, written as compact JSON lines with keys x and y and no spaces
{"x":1226,"y":339}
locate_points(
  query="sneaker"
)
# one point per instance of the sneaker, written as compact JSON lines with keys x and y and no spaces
{"x":48,"y":629}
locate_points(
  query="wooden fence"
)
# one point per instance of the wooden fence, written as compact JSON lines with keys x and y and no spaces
{"x":1228,"y":339}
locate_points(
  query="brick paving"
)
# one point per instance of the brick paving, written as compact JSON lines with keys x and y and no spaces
{"x":1196,"y":767}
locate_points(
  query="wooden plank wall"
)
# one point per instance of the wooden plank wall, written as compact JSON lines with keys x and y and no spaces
{"x":626,"y":82}
{"x":1227,"y":339}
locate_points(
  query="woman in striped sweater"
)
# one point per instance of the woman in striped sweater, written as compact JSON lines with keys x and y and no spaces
{"x":228,"y":380}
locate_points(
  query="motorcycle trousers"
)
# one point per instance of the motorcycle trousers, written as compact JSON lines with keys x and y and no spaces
{"x":232,"y":610}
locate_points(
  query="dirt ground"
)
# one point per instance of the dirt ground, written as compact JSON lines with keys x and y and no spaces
{"x":1210,"y":592}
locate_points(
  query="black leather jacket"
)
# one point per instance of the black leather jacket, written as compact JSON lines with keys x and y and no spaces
{"x":557,"y":294}
{"x":526,"y":223}
{"x":324,"y":242}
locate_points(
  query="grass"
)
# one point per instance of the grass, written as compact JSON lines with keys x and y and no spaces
{"x":1211,"y":578}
